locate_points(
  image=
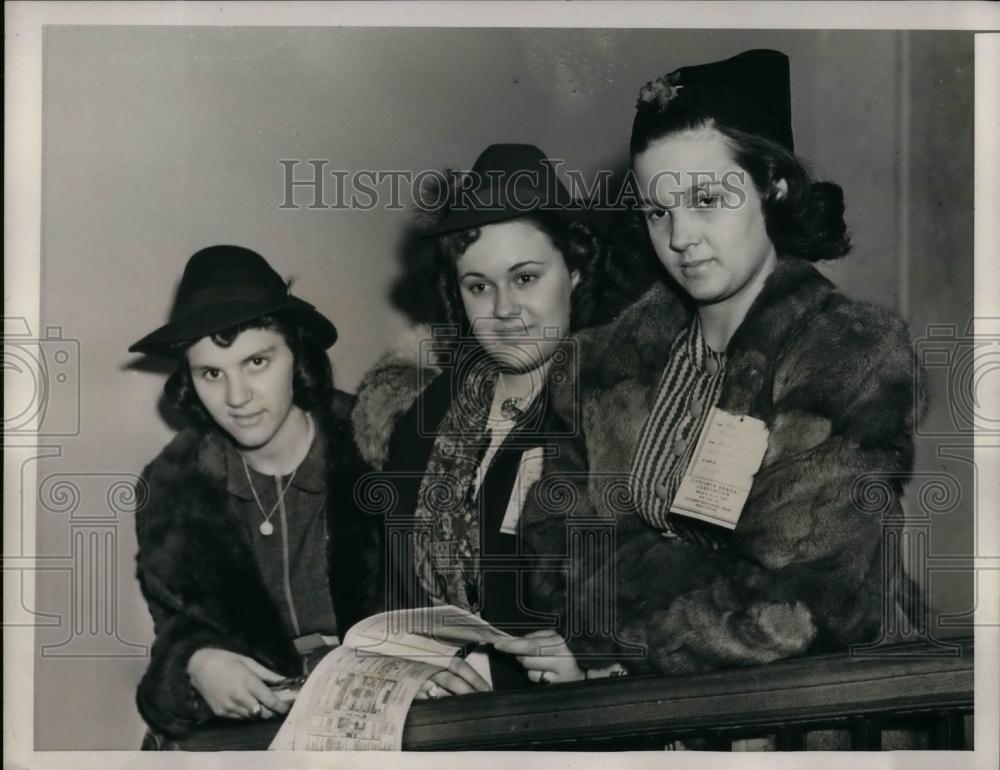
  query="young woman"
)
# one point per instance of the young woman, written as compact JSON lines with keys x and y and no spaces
{"x":251,"y":555}
{"x":806,"y":398}
{"x":459,"y":424}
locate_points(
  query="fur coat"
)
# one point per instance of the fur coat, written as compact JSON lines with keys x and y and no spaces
{"x":834,"y":381}
{"x":201,"y":581}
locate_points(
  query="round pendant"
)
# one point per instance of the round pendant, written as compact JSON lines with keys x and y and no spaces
{"x":266,"y":528}
{"x":511,"y":409}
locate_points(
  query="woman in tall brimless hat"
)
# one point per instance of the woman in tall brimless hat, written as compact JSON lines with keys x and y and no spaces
{"x":459,"y":422}
{"x":251,"y":555}
{"x":746,"y":428}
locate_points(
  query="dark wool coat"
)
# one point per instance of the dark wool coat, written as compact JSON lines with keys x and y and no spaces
{"x":833,"y":379}
{"x":200,"y":579}
{"x":399,"y":410}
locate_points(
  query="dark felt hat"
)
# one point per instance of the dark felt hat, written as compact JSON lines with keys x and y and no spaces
{"x":507,"y":181}
{"x":750,"y":92}
{"x":227,"y":285}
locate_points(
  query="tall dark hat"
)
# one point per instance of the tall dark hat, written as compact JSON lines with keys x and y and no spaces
{"x":507,"y":181}
{"x":224,"y":286}
{"x":750,"y":92}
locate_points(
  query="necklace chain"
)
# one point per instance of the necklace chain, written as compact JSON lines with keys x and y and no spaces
{"x":266,"y":527}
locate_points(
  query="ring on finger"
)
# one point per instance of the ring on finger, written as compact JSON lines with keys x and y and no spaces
{"x":435,"y":691}
{"x":543,"y":678}
{"x":256,"y":710}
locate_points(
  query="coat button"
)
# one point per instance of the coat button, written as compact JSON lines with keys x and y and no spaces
{"x":711,"y":366}
{"x":695,"y":408}
{"x":661,"y":491}
{"x":680,"y":446}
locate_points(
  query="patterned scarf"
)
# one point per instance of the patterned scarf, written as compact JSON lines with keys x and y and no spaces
{"x":447,"y":543}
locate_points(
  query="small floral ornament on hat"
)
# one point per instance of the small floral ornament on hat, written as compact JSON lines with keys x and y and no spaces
{"x":657,"y":94}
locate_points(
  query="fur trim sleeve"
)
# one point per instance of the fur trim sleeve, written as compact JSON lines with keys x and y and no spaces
{"x":165,"y":698}
{"x":387,"y":392}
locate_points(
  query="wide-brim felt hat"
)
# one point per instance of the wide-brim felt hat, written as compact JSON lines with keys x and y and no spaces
{"x":507,"y":181}
{"x":223,"y":286}
{"x":750,"y":92}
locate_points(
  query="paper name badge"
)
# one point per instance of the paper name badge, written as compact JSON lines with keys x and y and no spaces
{"x":528,"y":472}
{"x":717,"y":481}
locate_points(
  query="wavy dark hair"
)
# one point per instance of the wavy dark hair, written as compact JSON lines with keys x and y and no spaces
{"x":806,"y":222}
{"x":312,"y":375}
{"x":579,"y":244}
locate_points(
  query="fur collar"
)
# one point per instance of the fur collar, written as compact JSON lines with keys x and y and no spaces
{"x":388,"y":391}
{"x":638,"y":341}
{"x":806,"y":360}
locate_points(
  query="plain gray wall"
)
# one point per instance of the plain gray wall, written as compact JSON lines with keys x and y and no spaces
{"x":159,"y":141}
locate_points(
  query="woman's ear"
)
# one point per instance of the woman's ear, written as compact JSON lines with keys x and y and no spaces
{"x":779,"y":189}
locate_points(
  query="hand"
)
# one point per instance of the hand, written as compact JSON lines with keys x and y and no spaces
{"x":544,"y":655}
{"x":235,"y":686}
{"x":458,"y":679}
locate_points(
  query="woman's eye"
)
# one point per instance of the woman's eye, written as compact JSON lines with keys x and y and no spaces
{"x":655,"y":214}
{"x":210,"y":374}
{"x":525,"y":278}
{"x":258,"y":362}
{"x":476,"y":288}
{"x":706,"y":201}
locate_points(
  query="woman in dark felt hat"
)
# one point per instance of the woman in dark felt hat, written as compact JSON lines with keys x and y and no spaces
{"x":747,"y":357}
{"x":251,"y":554}
{"x":458,"y":423}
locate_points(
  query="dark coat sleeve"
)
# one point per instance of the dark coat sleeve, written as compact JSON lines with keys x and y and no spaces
{"x":202,"y":590}
{"x":804,"y":565}
{"x":165,"y":698}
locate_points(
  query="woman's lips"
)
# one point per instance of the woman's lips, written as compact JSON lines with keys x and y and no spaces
{"x":248,"y":420}
{"x":519,"y":334}
{"x":695,"y":268}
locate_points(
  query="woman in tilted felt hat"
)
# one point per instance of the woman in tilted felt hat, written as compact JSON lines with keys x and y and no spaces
{"x":251,"y":553}
{"x":746,"y":431}
{"x":458,"y":423}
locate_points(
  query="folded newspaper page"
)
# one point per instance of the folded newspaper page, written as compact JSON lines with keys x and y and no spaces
{"x":422,"y":632}
{"x":353,"y":703}
{"x":358,"y":696}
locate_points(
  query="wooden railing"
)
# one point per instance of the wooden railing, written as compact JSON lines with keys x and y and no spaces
{"x":907,"y":697}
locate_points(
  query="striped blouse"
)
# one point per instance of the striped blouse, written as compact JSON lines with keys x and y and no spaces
{"x":690,"y":386}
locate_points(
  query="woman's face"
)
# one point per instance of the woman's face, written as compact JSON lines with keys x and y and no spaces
{"x":704,"y":216}
{"x":516,"y":288}
{"x":247,"y":387}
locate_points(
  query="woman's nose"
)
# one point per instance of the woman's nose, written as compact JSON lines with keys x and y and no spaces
{"x":505,"y":306}
{"x":237,"y":392}
{"x":683,"y":229}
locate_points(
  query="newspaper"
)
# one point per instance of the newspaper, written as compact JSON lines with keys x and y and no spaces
{"x":353,"y":702}
{"x":358,"y":696}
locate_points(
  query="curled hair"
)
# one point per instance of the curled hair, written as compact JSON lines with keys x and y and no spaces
{"x":312,"y":375}
{"x":578,"y":243}
{"x":806,"y":222}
